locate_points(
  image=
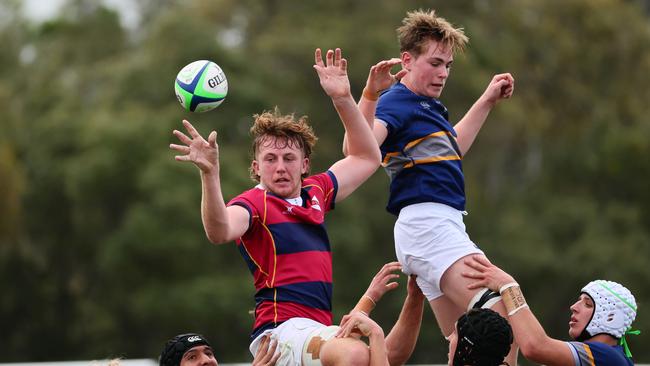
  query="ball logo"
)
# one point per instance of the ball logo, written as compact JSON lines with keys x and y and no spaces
{"x":218,"y":79}
{"x":194,"y":339}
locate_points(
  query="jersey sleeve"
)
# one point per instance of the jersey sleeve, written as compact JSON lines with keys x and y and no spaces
{"x":388,"y":112}
{"x":328,"y":185}
{"x":246,"y":200}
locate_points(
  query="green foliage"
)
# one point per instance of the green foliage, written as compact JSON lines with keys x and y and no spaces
{"x":100,"y":232}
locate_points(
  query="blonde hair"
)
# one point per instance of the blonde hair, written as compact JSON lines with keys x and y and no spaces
{"x":420,"y":26}
{"x":286,"y":130}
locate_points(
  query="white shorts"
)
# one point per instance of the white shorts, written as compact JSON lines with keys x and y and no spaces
{"x":429,"y":238}
{"x":293,"y":338}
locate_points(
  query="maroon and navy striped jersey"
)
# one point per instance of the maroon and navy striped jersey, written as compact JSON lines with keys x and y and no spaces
{"x":288,"y":252}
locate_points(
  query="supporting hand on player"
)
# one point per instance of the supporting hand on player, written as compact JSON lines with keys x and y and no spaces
{"x":380,"y":77}
{"x":204,"y":154}
{"x":486,"y":274}
{"x":381,"y":283}
{"x":266,"y":355}
{"x":357,"y":322}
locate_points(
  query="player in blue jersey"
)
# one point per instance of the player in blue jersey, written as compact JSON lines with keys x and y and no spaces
{"x":599,"y":321}
{"x":422,"y":153}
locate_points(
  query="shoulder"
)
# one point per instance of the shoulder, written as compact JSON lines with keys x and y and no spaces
{"x":248,"y":199}
{"x":394,"y":107}
{"x":324,"y":185}
{"x":598,"y":353}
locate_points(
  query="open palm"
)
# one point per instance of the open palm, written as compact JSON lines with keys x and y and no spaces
{"x":333,"y":74}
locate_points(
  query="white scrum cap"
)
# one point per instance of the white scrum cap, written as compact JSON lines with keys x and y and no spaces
{"x":614,"y":308}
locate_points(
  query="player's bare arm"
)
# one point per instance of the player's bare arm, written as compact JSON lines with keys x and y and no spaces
{"x":501,"y":87}
{"x":222,"y":224}
{"x":364,"y":157}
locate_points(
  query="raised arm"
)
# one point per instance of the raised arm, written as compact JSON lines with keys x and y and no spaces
{"x":221,"y":223}
{"x":379,"y":78}
{"x":501,"y":87}
{"x":364,"y":157}
{"x":402,"y":338}
{"x":533,"y":342}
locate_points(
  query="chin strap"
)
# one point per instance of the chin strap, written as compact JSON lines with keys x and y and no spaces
{"x":623,"y":341}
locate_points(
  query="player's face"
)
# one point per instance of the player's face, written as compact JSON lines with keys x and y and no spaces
{"x":581,"y":313}
{"x":453,"y":341}
{"x":280,"y":165}
{"x":199,"y":356}
{"x":429,"y":71}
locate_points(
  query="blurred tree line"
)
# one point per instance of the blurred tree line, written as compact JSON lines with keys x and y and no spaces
{"x":102,"y":252}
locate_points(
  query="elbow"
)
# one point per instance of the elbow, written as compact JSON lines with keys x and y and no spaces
{"x":397,"y":357}
{"x":533,"y":350}
{"x":216,"y":238}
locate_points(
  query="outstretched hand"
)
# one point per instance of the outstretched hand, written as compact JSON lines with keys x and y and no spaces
{"x":501,"y":87}
{"x":381,"y":283}
{"x":380,"y":77}
{"x":204,"y":154}
{"x":333,"y":74}
{"x":486,"y":274}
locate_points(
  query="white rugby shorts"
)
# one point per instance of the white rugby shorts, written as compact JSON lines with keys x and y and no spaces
{"x":429,"y":238}
{"x":293,"y":338}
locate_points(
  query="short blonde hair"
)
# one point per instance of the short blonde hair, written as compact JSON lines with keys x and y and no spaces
{"x":287,"y":131}
{"x":420,"y":26}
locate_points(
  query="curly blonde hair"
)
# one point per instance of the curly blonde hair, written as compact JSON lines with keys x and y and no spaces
{"x":420,"y":26}
{"x":286,"y":130}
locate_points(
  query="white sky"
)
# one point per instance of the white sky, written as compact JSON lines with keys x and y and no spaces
{"x":41,"y":10}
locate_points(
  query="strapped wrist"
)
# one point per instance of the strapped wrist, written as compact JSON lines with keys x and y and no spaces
{"x":365,"y":305}
{"x":372,"y":96}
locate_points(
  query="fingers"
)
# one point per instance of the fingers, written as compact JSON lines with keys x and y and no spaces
{"x":329,"y":58}
{"x":190,"y":129}
{"x":345,"y":319}
{"x":182,"y":137}
{"x":390,"y":267}
{"x":276,"y":355}
{"x":318,"y":58}
{"x":392,"y":285}
{"x":401,"y":74}
{"x":478,"y":284}
{"x":180,"y":148}
{"x":337,"y":57}
{"x":482,"y":260}
{"x":212,"y":139}
{"x":266,"y":354}
{"x":263,"y":347}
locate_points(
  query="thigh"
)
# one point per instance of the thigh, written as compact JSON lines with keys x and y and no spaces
{"x":454,"y":285}
{"x":446,"y":313}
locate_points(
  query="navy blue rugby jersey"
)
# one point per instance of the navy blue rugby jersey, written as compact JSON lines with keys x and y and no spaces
{"x":420,"y":153}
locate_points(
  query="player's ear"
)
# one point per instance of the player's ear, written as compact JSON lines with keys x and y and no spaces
{"x":255,"y":167}
{"x":305,"y":166}
{"x":407,"y":59}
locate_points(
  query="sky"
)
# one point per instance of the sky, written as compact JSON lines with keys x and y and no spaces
{"x":42,"y":10}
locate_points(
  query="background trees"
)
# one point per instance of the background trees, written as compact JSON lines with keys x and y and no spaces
{"x":102,"y":252}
